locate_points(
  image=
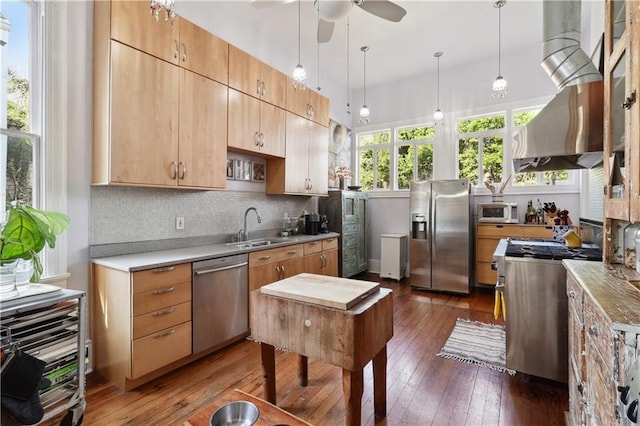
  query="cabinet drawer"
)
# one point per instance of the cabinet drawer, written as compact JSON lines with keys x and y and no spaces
{"x":159,"y":349}
{"x":161,"y":298}
{"x":485,"y":274}
{"x":330,"y":244}
{"x":161,"y":277}
{"x":600,"y":335}
{"x":532,"y":231}
{"x":265,"y":257}
{"x":312,"y":247}
{"x":502,"y":231}
{"x":159,"y":320}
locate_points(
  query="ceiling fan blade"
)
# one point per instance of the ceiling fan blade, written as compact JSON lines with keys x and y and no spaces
{"x":325,"y":30}
{"x":263,"y":4}
{"x":383,"y":9}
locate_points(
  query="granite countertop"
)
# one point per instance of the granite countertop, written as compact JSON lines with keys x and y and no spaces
{"x":611,"y":288}
{"x":156,"y":259}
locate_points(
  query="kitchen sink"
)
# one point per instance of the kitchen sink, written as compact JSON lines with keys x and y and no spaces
{"x":258,"y":243}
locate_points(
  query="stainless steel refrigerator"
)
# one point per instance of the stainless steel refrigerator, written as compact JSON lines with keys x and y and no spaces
{"x":440,"y":253}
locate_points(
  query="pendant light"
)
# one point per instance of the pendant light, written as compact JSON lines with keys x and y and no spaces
{"x":500,"y":84}
{"x":364,"y":110}
{"x":348,"y":64}
{"x":318,"y":46}
{"x":437,"y":115}
{"x":299,"y":74}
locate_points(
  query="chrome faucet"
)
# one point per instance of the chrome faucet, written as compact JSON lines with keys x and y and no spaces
{"x":243,"y":234}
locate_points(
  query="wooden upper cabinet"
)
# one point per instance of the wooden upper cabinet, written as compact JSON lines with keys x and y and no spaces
{"x":304,"y":171}
{"x":307,"y":103}
{"x":180,"y":42}
{"x":255,"y":78}
{"x":203,"y":52}
{"x":133,"y":24}
{"x":202,"y":157}
{"x":140,"y":142}
{"x":255,"y":126}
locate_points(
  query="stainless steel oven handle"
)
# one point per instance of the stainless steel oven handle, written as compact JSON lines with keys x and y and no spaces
{"x":224,"y":268}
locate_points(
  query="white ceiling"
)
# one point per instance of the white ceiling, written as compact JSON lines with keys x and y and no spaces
{"x":465,"y":31}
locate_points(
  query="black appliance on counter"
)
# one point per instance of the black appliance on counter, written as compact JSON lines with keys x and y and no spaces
{"x":312,"y":223}
{"x":533,"y":279}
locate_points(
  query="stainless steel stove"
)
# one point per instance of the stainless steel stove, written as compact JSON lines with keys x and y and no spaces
{"x":534,"y":282}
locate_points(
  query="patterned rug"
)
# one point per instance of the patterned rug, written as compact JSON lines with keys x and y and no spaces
{"x":477,"y":343}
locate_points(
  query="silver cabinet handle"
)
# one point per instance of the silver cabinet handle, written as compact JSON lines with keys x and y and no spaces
{"x":256,"y":139}
{"x":165,"y":312}
{"x":593,"y":330}
{"x":174,"y":170}
{"x":258,"y":87}
{"x":224,"y":268}
{"x":264,"y":90}
{"x":283,"y":272}
{"x":164,"y":290}
{"x":264,"y":258}
{"x":292,"y":252}
{"x":166,"y":269}
{"x":572,"y":294}
{"x":629,"y":101}
{"x":164,"y":334}
{"x":310,"y":184}
{"x":184,"y":52}
{"x":176,"y":50}
{"x":261,"y":140}
{"x":184,"y":169}
{"x":312,"y":243}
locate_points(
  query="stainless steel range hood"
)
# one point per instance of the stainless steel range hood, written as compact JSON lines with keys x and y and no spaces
{"x":568,"y":132}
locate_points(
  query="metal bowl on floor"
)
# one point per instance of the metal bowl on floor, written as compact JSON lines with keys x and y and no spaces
{"x":237,"y":413}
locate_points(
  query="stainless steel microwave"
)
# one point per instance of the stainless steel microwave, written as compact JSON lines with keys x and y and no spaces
{"x":498,"y":212}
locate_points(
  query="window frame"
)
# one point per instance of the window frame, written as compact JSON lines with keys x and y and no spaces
{"x":414,"y":144}
{"x":376,"y":148}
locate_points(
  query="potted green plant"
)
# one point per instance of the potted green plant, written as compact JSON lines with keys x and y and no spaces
{"x":26,"y":233}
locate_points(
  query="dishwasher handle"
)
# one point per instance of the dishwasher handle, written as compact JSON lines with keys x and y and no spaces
{"x":224,"y":268}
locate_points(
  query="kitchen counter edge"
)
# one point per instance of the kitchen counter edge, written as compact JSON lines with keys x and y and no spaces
{"x":157,"y":259}
{"x":609,"y":287}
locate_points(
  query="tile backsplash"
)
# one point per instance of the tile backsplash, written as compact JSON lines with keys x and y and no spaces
{"x":131,"y":214}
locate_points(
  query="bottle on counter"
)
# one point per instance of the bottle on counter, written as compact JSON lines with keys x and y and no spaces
{"x":530,"y":215}
{"x":630,"y":245}
{"x":539,"y":213}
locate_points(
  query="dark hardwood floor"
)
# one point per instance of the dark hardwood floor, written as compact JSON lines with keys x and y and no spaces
{"x":423,"y":389}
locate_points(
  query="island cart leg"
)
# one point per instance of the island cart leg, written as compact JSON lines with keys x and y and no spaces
{"x":303,"y":375}
{"x":380,"y":383}
{"x":352,"y":387}
{"x":267,"y":353}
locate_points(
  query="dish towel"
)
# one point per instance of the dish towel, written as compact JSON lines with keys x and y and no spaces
{"x":499,"y":304}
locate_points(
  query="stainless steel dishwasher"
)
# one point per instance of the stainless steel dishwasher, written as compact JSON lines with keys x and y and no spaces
{"x":220,"y":300}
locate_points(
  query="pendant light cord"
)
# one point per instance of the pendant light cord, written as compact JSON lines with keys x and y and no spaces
{"x":299,"y":2}
{"x":364,"y":89}
{"x":348,"y":63}
{"x":500,"y":40}
{"x":438,"y":107}
{"x":318,"y":43}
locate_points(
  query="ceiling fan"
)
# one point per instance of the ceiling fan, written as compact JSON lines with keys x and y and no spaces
{"x":330,"y":11}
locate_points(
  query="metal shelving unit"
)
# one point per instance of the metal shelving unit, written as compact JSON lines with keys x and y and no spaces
{"x":52,"y":327}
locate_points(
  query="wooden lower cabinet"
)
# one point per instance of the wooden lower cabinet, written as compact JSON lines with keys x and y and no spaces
{"x":267,"y":266}
{"x":488,"y":235}
{"x":599,"y":358}
{"x":141,"y":321}
{"x":321,"y":257}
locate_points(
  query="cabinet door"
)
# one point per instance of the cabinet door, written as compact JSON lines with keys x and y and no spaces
{"x":319,"y":108}
{"x":262,"y":275}
{"x":133,"y":25}
{"x":634,"y":115}
{"x":144,"y":133}
{"x":244,"y":72}
{"x":244,"y":121}
{"x":314,"y":263}
{"x":331,"y":263}
{"x":203,"y":132}
{"x":272,"y":129}
{"x":362,"y":226}
{"x":203,"y":52}
{"x":297,"y":149}
{"x":297,"y":100}
{"x":318,"y":159}
{"x":293,"y":267}
{"x":274,"y":86}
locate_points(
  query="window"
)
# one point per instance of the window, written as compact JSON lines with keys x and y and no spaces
{"x":415,"y":154}
{"x":480,"y":148}
{"x":521,"y":118}
{"x":374,"y":160}
{"x":33,"y":38}
{"x":19,"y":116}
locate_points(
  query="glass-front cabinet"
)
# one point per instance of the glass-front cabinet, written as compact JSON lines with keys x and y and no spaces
{"x":621,"y":116}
